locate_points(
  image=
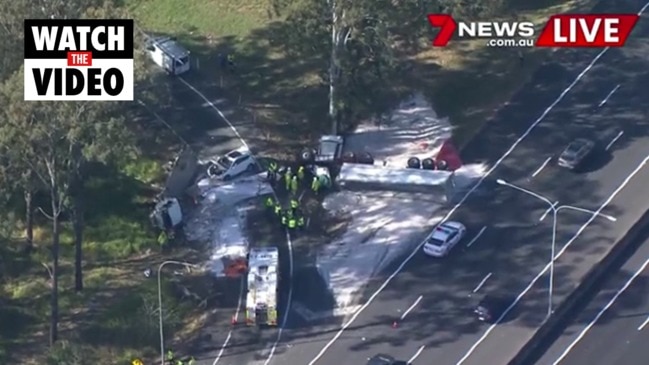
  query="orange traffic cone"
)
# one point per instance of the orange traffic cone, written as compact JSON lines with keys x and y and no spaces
{"x":395,"y":324}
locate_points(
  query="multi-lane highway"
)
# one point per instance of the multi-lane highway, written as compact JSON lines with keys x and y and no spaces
{"x":512,"y":253}
{"x":424,"y":312}
{"x":614,"y":326}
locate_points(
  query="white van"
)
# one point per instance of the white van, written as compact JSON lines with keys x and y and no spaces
{"x":169,"y":55}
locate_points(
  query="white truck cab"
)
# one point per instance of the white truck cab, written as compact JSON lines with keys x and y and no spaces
{"x":168,"y":54}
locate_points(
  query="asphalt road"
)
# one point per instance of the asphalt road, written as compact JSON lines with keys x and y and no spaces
{"x":198,"y":123}
{"x":613,"y":328}
{"x":514,"y":247}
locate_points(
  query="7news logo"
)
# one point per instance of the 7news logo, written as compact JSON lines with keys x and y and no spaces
{"x":79,"y":59}
{"x":565,"y":30}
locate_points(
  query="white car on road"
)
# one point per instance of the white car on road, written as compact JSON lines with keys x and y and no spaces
{"x":232,"y":164}
{"x":444,"y":238}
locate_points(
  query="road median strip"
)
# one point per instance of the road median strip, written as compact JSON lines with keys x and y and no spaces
{"x":549,"y":331}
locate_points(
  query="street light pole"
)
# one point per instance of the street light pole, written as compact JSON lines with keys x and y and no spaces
{"x":552,"y":257}
{"x":162,"y":343}
{"x":555,"y":210}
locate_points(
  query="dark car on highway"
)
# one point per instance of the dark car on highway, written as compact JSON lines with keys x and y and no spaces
{"x":382,"y":359}
{"x":491,"y":307}
{"x":577,"y":152}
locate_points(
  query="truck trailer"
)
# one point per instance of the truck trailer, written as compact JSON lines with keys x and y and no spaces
{"x":355,"y":176}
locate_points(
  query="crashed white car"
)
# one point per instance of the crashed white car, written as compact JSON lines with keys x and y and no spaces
{"x":232,"y":164}
{"x":444,"y":238}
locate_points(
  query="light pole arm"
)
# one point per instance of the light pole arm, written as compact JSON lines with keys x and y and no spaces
{"x":588,"y":211}
{"x":528,"y":192}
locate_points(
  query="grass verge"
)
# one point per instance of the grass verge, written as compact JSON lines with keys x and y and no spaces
{"x":114,"y":318}
{"x":284,"y":98}
{"x":469,"y":82}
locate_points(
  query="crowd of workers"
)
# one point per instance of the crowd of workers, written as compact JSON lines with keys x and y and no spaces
{"x":291,"y":217}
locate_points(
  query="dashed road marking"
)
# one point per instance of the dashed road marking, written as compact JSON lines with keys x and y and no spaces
{"x":529,"y":286}
{"x":547,"y":211}
{"x":601,"y":313}
{"x":288,"y":237}
{"x":482,"y":283}
{"x":644,"y":324}
{"x":476,"y":236}
{"x":236,"y":316}
{"x":545,"y":163}
{"x":403,"y":316}
{"x":609,"y":96}
{"x":416,"y":355}
{"x":610,"y":144}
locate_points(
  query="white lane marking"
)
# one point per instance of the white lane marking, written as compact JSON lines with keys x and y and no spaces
{"x":236,"y":317}
{"x":301,"y":196}
{"x":547,"y":266}
{"x":646,"y":321}
{"x":609,"y":96}
{"x":545,"y":163}
{"x":547,"y":211}
{"x":614,"y":139}
{"x":476,"y":236}
{"x":288,"y":236}
{"x":411,"y":307}
{"x":416,"y":355}
{"x":482,"y":283}
{"x":218,"y":111}
{"x":450,"y":213}
{"x":601,"y":313}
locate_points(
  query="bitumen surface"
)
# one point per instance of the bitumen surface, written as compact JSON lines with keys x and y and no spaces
{"x":613,"y":328}
{"x":196,"y":114}
{"x":514,"y":247}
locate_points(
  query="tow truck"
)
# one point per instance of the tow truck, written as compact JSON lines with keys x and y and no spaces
{"x":261,"y":298}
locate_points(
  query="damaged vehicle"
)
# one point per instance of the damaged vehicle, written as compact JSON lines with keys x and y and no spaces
{"x":232,"y":164}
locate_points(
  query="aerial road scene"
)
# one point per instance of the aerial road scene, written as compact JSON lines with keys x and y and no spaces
{"x":322,"y":182}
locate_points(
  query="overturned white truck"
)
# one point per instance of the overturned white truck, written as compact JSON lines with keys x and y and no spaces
{"x":374,"y":177}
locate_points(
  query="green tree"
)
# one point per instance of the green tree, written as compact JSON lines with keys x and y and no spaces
{"x":355,"y":37}
{"x":95,"y":132}
{"x":55,"y":140}
{"x":100,"y":133}
{"x":362,"y":40}
{"x":30,"y":137}
{"x":46,"y":146}
{"x":12,"y":14}
{"x":148,"y":86}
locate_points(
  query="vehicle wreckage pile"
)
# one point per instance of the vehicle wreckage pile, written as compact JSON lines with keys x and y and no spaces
{"x":403,"y":176}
